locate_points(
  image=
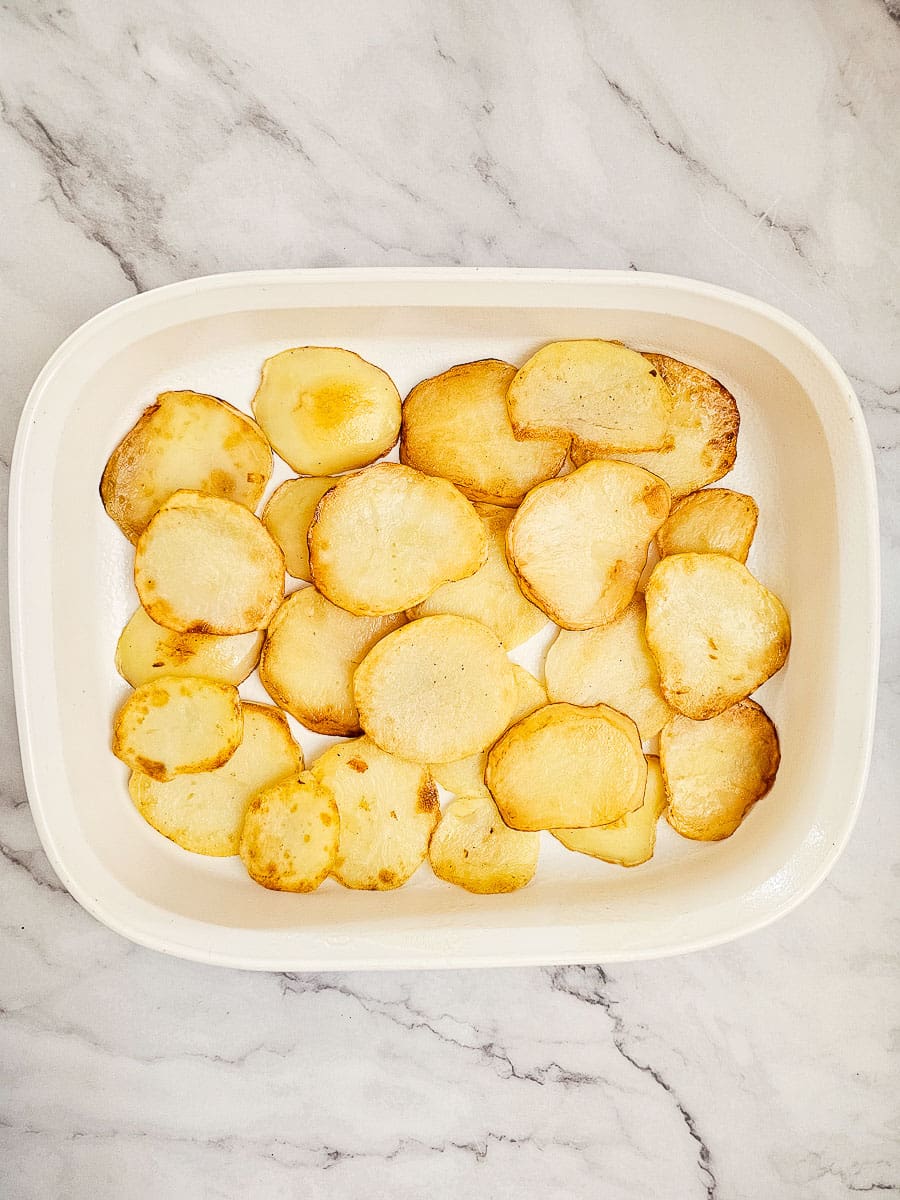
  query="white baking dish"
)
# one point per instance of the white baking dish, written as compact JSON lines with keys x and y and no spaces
{"x":803,"y":453}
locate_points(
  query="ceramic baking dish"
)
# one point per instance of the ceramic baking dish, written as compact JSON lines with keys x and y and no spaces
{"x":803,"y":453}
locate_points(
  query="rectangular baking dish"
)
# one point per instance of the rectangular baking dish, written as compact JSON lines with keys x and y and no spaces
{"x":803,"y":453}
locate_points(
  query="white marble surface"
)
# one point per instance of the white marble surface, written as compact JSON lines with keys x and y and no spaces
{"x":750,"y":144}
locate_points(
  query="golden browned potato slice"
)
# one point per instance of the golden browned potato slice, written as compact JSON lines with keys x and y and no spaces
{"x":146,"y":650}
{"x":287,"y":516}
{"x":311,"y":653}
{"x":610,"y":665}
{"x":716,"y":770}
{"x":474,"y":848}
{"x":611,"y":398}
{"x":326,"y":410}
{"x":701,"y":444}
{"x":204,"y":812}
{"x":456,"y":425}
{"x":385,"y":539}
{"x":631,"y":840}
{"x":715,"y":521}
{"x":716,"y":633}
{"x":569,"y":767}
{"x":290,"y":836}
{"x":184,"y":440}
{"x":437,"y":690}
{"x":578,"y":544}
{"x":205,"y":565}
{"x":176,"y":724}
{"x":389,"y":808}
{"x":492,"y":595}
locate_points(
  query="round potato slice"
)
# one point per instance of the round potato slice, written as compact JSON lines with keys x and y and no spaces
{"x":389,"y":809}
{"x":474,"y":848}
{"x":204,"y":812}
{"x":176,"y":724}
{"x":146,"y":650}
{"x":610,"y":665}
{"x":631,"y":840}
{"x":311,"y":653}
{"x":205,"y":565}
{"x":385,"y":539}
{"x":715,"y":521}
{"x":437,"y":690}
{"x":570,"y":767}
{"x":578,"y":544}
{"x":326,"y":410}
{"x":492,"y":595}
{"x":456,"y":425}
{"x":608,"y":396}
{"x":290,"y":835}
{"x":716,"y":770}
{"x":287,"y":516}
{"x":716,"y":633}
{"x":184,"y":440}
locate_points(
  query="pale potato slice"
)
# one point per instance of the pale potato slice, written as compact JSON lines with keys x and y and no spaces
{"x":205,"y":565}
{"x":204,"y":812}
{"x":715,"y":521}
{"x":570,"y":767}
{"x":631,"y":840}
{"x":492,"y":595}
{"x":474,"y":848}
{"x":290,"y":835}
{"x":389,"y":809}
{"x":184,"y":440}
{"x":610,"y":665}
{"x":456,"y":425}
{"x":716,"y":770}
{"x":146,"y":650}
{"x":611,"y":398}
{"x":701,"y":443}
{"x":437,"y":690}
{"x":178,"y":724}
{"x":311,"y":653}
{"x":385,"y":539}
{"x":578,"y":544}
{"x":287,"y":516}
{"x":326,"y":410}
{"x":716,"y":633}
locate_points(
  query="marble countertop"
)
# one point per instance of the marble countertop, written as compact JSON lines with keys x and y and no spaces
{"x":753,"y":145}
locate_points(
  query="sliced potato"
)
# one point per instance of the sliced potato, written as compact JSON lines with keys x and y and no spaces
{"x":385,"y":539}
{"x":311,"y":653}
{"x":176,"y":724}
{"x":388,"y":807}
{"x":474,"y":848}
{"x":492,"y":595}
{"x":437,"y":690}
{"x":570,"y":767}
{"x":714,"y":521}
{"x":610,"y":665}
{"x":290,"y":835}
{"x":184,"y":440}
{"x":716,"y":770}
{"x":287,"y":516}
{"x":146,"y":650}
{"x":456,"y":425}
{"x":205,"y":565}
{"x":611,"y":398}
{"x":578,"y":544}
{"x":631,"y":840}
{"x":204,"y":812}
{"x":326,"y":410}
{"x":716,"y":633}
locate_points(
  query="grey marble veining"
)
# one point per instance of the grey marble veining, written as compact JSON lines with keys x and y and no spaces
{"x":754,"y":145}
